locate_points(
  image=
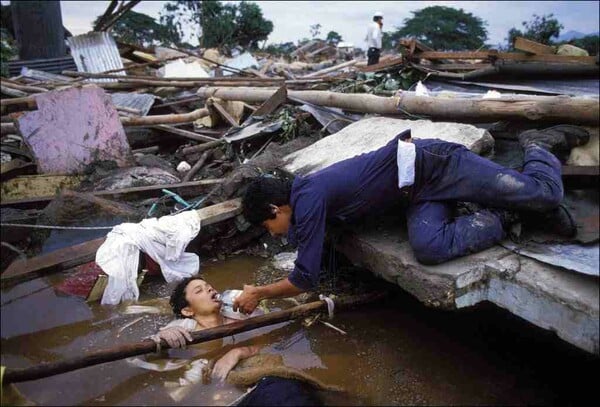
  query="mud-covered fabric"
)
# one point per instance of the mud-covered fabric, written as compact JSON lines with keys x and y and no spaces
{"x":447,"y":172}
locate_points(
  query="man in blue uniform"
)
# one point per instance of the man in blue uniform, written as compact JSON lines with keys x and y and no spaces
{"x":432,"y":175}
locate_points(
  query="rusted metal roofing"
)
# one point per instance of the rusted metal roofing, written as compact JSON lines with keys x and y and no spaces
{"x":95,"y":52}
{"x":139,"y":101}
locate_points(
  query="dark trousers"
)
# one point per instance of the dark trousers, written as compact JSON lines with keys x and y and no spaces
{"x":449,"y":172}
{"x":373,"y":55}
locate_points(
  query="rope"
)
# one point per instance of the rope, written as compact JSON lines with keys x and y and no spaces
{"x":24,"y":225}
{"x":330,"y":304}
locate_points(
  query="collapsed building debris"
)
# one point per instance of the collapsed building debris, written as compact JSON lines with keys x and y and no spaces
{"x":124,"y":123}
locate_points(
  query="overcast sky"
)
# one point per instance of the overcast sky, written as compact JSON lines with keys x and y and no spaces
{"x":292,"y":19}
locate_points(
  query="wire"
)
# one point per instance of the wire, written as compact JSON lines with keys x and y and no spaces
{"x":24,"y":225}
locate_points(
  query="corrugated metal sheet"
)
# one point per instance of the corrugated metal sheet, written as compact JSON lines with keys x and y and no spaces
{"x":139,"y":101}
{"x":95,"y":52}
{"x":43,"y":76}
{"x":53,"y":65}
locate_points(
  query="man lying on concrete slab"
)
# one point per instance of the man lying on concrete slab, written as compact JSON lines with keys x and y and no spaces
{"x":431,"y":175}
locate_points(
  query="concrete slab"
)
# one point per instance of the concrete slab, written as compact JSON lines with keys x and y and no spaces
{"x":73,"y":128}
{"x":547,"y":296}
{"x":370,"y":134}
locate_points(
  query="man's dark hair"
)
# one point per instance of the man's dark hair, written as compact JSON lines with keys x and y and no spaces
{"x":376,"y":19}
{"x":260,"y":194}
{"x":177,"y":300}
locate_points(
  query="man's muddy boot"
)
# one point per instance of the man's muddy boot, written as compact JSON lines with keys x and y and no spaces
{"x":558,"y":221}
{"x":554,"y":139}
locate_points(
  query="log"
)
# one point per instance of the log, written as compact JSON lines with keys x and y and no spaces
{"x":21,"y":270}
{"x":563,"y":109}
{"x":204,"y":335}
{"x":157,"y":79}
{"x":330,"y":69}
{"x":513,"y":56}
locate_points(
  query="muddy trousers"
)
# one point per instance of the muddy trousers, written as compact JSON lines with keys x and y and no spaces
{"x":447,"y":172}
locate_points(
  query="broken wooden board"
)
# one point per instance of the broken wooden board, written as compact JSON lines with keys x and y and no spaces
{"x":532,"y":47}
{"x":73,"y":128}
{"x":36,"y":186}
{"x":513,"y":56}
{"x":21,"y":270}
{"x":277,"y":99}
{"x":370,"y":134}
{"x":14,"y":168}
{"x":183,"y":189}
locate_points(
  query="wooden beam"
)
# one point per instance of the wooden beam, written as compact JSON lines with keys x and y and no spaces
{"x":383,"y":65}
{"x":62,"y":259}
{"x":184,"y":189}
{"x":512,"y":56}
{"x":532,"y":47}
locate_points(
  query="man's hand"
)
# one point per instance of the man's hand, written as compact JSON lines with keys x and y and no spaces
{"x":248,"y":300}
{"x":226,"y":363}
{"x":175,"y":336}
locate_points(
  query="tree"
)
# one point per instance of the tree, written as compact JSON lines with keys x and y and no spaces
{"x":251,"y":26}
{"x":445,"y":28}
{"x":141,"y":29}
{"x":219,"y":25}
{"x":389,"y":41}
{"x":333,"y":38}
{"x":540,"y":29}
{"x":315,"y":30}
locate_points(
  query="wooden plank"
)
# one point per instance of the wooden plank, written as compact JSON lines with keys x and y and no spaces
{"x":68,"y":257}
{"x":457,"y":67}
{"x":532,"y":47}
{"x":184,"y":189}
{"x":383,"y":65}
{"x":36,"y":186}
{"x":277,"y":99}
{"x":15,"y":168}
{"x":224,"y":114}
{"x":580,"y":177}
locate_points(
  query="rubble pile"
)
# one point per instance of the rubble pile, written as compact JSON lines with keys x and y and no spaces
{"x":162,"y":130}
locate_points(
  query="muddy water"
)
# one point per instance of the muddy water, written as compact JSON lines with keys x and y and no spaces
{"x":395,"y":352}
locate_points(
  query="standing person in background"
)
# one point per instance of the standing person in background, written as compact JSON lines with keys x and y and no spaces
{"x":374,"y":36}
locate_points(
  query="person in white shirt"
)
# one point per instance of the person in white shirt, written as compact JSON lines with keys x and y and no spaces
{"x":374,"y":36}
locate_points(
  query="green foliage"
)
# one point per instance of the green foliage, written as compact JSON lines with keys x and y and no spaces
{"x":333,"y":38}
{"x":590,"y":43}
{"x":8,"y":50}
{"x":389,"y":41}
{"x":283,"y":48}
{"x":540,"y":29}
{"x":315,"y":30}
{"x":219,"y":25}
{"x":445,"y":28}
{"x":141,"y":29}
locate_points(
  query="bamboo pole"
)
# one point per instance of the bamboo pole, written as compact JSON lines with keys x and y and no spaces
{"x":202,"y":147}
{"x":563,"y":109}
{"x":165,"y":118}
{"x":205,"y":335}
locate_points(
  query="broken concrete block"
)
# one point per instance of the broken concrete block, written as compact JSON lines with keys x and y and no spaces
{"x":370,"y":134}
{"x":73,"y":128}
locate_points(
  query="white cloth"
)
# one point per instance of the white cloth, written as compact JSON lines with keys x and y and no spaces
{"x":163,"y":239}
{"x":188,"y":324}
{"x":406,"y":155}
{"x":374,"y":36}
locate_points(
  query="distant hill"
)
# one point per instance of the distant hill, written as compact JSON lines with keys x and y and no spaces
{"x":570,"y":35}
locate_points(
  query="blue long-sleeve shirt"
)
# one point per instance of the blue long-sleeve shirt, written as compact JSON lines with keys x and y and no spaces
{"x":343,"y":191}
